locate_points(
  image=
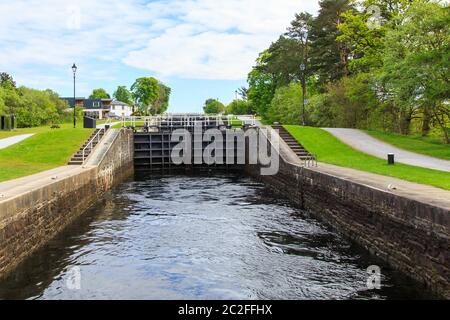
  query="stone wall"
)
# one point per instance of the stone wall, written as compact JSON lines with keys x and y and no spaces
{"x":411,"y":236}
{"x":28,"y":220}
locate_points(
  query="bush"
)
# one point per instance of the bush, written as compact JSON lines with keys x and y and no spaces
{"x":33,"y":107}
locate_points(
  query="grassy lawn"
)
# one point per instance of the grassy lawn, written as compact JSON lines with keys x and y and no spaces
{"x":330,"y":150}
{"x":47,"y":149}
{"x":138,"y":123}
{"x":236,"y":123}
{"x":424,"y":145}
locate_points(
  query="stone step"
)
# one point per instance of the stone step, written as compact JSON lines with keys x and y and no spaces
{"x":75,"y":163}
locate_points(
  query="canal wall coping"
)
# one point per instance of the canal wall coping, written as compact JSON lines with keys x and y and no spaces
{"x":34,"y":209}
{"x":405,"y":224}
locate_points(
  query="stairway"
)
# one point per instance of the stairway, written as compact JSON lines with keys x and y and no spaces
{"x":295,"y":146}
{"x":77,"y":158}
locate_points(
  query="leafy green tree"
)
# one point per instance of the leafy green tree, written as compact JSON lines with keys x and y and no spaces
{"x":145,"y":91}
{"x":150,"y":95}
{"x":161,"y":104}
{"x":7,"y":80}
{"x":261,"y":90}
{"x":239,"y":107}
{"x":99,"y":94}
{"x":366,"y":44}
{"x":213,"y":106}
{"x":123,"y":94}
{"x":416,"y":66}
{"x":287,"y":104}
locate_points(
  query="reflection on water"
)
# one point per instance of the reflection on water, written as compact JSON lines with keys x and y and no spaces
{"x":182,"y":237}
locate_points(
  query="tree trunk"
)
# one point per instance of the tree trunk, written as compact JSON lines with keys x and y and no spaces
{"x":426,"y":122}
{"x":405,"y":122}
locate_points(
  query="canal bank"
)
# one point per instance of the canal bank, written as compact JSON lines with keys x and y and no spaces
{"x":34,"y":209}
{"x":201,"y":237}
{"x":405,"y":224}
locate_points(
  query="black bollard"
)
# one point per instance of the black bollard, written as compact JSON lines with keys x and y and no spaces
{"x":391,"y":159}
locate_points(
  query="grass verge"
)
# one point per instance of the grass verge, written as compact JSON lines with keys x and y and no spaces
{"x":47,"y":149}
{"x":330,"y":150}
{"x":424,"y":145}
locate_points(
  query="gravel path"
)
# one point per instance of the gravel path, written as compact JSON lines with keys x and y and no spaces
{"x":4,"y":143}
{"x":363,"y":142}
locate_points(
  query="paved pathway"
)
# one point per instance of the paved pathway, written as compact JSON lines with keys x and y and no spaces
{"x":112,"y":124}
{"x":4,"y":143}
{"x":362,"y":141}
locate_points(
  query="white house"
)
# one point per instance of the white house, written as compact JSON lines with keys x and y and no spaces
{"x":120,"y":109}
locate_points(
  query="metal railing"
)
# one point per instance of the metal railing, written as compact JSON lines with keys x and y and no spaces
{"x":248,"y":119}
{"x":311,"y":161}
{"x":90,"y":145}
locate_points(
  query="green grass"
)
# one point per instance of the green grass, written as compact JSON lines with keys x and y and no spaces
{"x":138,"y":123}
{"x":424,"y":145}
{"x":236,"y":123}
{"x":330,"y":150}
{"x":47,"y":149}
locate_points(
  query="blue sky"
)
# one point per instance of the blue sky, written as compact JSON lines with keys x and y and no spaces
{"x":200,"y":48}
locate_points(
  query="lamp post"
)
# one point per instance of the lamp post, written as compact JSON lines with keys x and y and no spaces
{"x":74,"y":69}
{"x":303,"y":80}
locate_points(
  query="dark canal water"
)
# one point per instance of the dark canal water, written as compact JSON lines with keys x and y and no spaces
{"x":181,"y":237}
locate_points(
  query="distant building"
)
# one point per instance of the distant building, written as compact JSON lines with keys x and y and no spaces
{"x":120,"y":109}
{"x":94,"y":108}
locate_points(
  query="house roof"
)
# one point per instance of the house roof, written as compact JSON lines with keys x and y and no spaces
{"x":89,"y":103}
{"x":120,"y":103}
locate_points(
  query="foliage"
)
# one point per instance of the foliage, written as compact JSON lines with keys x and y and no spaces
{"x":123,"y":94}
{"x":99,"y":94}
{"x":213,"y":106}
{"x":370,"y":64}
{"x":7,"y":81}
{"x":151,"y":96}
{"x":286,"y":105}
{"x":31,"y":107}
{"x":239,"y":107}
{"x":329,"y":58}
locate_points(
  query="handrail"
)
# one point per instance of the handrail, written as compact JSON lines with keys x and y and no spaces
{"x":91,"y":143}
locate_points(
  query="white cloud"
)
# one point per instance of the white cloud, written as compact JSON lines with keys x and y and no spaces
{"x":202,"y":39}
{"x":215,"y":40}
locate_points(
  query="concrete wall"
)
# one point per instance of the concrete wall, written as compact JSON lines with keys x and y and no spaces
{"x":410,"y":235}
{"x":31,"y":217}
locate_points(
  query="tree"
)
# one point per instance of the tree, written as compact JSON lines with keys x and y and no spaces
{"x":243,"y":92}
{"x":239,"y":107}
{"x":329,"y":58}
{"x":261,"y":90}
{"x":161,"y":103}
{"x":366,"y":44}
{"x":213,"y":106}
{"x":150,"y":95}
{"x":145,"y":91}
{"x":286,"y":104}
{"x":123,"y":94}
{"x":416,"y":66}
{"x":99,"y":94}
{"x":7,"y":81}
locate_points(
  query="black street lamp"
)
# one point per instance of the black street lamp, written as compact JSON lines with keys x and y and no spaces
{"x":303,"y":68}
{"x":74,"y":69}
